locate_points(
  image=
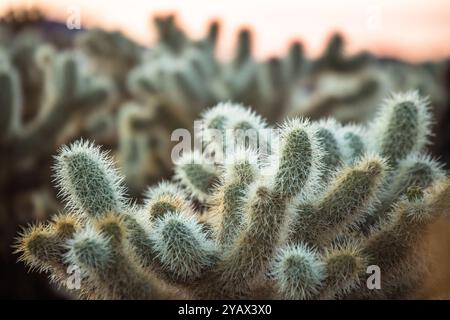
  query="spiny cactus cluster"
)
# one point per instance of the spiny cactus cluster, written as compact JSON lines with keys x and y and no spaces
{"x":171,"y":83}
{"x":181,"y":72}
{"x":45,"y":96}
{"x":350,"y":88}
{"x":300,"y":219}
{"x":184,"y":76}
{"x":137,"y":125}
{"x":180,"y":76}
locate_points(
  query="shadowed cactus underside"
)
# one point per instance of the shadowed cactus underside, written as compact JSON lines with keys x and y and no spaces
{"x":302,"y":222}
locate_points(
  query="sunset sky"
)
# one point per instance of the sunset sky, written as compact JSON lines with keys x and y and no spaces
{"x":411,"y":29}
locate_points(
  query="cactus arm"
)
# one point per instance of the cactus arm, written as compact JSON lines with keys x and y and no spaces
{"x":343,"y":205}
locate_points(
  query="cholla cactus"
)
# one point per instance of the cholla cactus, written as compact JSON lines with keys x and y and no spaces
{"x":349,"y":88}
{"x":181,"y":71}
{"x":180,"y":76}
{"x":269,"y":227}
{"x":184,"y":76}
{"x":333,"y":58}
{"x":111,"y":53}
{"x":68,"y":92}
{"x":28,"y":137}
{"x":45,"y":96}
{"x":143,"y":145}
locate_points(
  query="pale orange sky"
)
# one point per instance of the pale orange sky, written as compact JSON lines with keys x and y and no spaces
{"x":412,"y":29}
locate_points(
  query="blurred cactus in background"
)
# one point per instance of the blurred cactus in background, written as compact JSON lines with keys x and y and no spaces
{"x":179,"y":77}
{"x":111,"y":53}
{"x":57,"y":86}
{"x":288,"y":224}
{"x":185,"y":75}
{"x":45,"y":95}
{"x":349,"y":88}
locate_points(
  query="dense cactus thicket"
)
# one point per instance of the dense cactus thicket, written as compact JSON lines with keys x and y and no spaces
{"x":67,"y":91}
{"x":167,"y":86}
{"x":299,"y":215}
{"x":180,"y":77}
{"x":59,"y":85}
{"x":182,"y":72}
